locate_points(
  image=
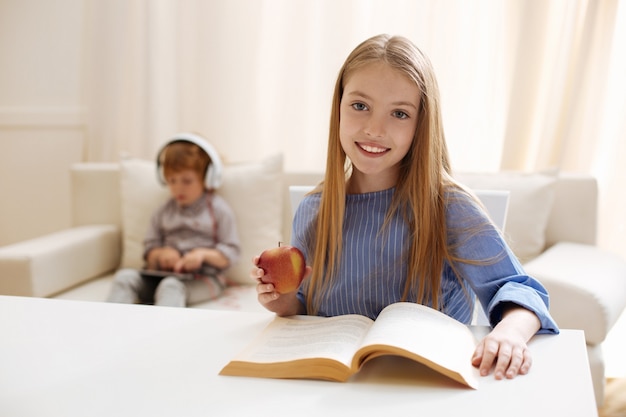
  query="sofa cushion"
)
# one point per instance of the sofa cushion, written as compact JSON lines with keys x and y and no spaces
{"x":587,"y":287}
{"x":141,"y":194}
{"x":253,"y":190}
{"x":530,"y":204}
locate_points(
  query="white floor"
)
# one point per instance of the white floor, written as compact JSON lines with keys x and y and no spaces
{"x":614,"y":348}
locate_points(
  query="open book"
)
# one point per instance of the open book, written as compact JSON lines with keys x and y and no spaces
{"x":334,"y":348}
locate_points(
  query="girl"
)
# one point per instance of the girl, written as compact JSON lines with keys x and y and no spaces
{"x":389,"y":223}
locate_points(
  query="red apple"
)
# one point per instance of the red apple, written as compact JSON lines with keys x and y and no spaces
{"x":284,"y":267}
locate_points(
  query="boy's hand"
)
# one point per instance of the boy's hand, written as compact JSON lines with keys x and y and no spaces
{"x":191,"y":261}
{"x":164,"y":258}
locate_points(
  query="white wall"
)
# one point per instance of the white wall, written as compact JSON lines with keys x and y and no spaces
{"x":41,"y":114}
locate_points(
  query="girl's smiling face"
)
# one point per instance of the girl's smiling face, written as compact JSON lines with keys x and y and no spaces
{"x":378,"y":118}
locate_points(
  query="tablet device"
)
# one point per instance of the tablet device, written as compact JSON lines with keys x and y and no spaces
{"x":154,"y":273}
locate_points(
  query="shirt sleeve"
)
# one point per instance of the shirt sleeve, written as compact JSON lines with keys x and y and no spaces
{"x":488,"y":265}
{"x":154,"y":235}
{"x":227,"y":234}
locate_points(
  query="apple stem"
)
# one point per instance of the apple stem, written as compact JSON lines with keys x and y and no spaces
{"x":279,"y":243}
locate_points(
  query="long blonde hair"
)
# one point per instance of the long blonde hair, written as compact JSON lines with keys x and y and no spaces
{"x":425,"y":174}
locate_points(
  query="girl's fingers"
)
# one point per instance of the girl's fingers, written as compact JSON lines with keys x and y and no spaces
{"x":265,"y":288}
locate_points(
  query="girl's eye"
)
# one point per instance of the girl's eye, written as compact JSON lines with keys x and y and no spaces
{"x":400,"y":114}
{"x":359,"y":106}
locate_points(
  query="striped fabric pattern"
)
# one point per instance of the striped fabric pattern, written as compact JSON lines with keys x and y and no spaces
{"x":373,"y":268}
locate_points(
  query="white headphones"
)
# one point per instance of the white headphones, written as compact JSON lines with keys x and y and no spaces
{"x":213,"y":176}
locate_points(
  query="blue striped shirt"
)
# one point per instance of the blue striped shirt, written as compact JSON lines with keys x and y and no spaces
{"x":373,"y":264}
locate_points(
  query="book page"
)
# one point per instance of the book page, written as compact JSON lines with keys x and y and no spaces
{"x":429,"y":334}
{"x":303,"y":337}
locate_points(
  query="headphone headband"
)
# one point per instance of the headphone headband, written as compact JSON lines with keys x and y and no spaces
{"x":213,"y":176}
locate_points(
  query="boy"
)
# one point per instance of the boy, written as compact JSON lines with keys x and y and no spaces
{"x":191,"y":239}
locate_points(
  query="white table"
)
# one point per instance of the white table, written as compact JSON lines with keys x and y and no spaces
{"x":72,"y":358}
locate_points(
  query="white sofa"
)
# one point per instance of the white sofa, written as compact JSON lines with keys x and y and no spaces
{"x":551,"y":226}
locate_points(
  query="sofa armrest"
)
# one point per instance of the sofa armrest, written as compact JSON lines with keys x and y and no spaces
{"x":49,"y":264}
{"x":587,"y":287}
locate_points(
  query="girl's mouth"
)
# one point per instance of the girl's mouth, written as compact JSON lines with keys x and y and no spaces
{"x":372,"y":149}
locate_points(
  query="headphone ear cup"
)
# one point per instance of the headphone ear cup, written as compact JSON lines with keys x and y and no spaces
{"x":209,"y":178}
{"x":213,"y":177}
{"x":160,"y":173}
{"x":162,"y":176}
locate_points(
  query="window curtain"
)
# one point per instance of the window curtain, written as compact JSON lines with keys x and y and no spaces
{"x":525,"y":85}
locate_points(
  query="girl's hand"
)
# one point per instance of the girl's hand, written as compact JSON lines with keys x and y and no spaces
{"x":281,"y":304}
{"x":505,"y":347}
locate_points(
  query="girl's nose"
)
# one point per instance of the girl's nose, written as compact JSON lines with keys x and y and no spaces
{"x":375,"y":126}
